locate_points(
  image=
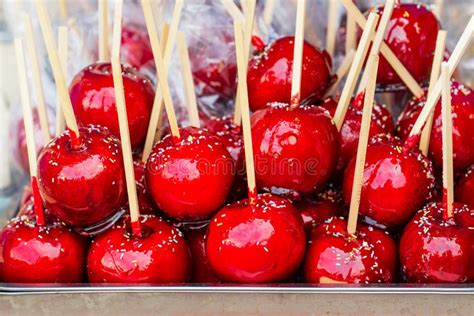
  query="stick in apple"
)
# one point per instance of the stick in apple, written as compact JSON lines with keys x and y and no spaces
{"x":341,"y":72}
{"x":298,"y":54}
{"x":63,"y":47}
{"x":103,"y":30}
{"x":332,"y":27}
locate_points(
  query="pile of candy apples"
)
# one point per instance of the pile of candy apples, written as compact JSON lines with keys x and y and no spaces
{"x":196,"y":224}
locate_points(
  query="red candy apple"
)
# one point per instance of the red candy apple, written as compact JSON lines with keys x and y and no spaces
{"x":190,"y":178}
{"x":261,"y":243}
{"x":397,"y":182}
{"x":145,"y":202}
{"x":159,"y":255}
{"x":436,"y":249}
{"x":462,"y":105}
{"x":30,"y":253}
{"x":369,"y":256}
{"x":85,"y":185}
{"x":135,"y":48}
{"x":218,"y":78}
{"x":296,"y":150}
{"x":381,"y":123}
{"x":269,"y":74}
{"x":411,"y":34}
{"x":93,"y":99}
{"x":202,"y":271}
{"x":465,"y":188}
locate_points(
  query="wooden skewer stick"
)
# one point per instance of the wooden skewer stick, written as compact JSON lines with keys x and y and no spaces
{"x":233,"y":10}
{"x":378,"y":39}
{"x":332,"y":27}
{"x":356,"y":67}
{"x":37,"y":81}
{"x":341,"y":72}
{"x":372,"y":65}
{"x":29,"y":132}
{"x":246,"y":128}
{"x":63,"y":47}
{"x":63,"y":8}
{"x":435,"y":69}
{"x":268,"y":12}
{"x":188,"y":80}
{"x":351,"y":29}
{"x":438,"y":8}
{"x":447,"y":134}
{"x":298,"y":54}
{"x":123,"y":120}
{"x":391,"y":58}
{"x":103,"y":30}
{"x":58,"y":73}
{"x":453,"y":62}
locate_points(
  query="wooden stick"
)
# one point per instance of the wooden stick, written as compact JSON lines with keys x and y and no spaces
{"x":332,"y":27}
{"x":123,"y":120}
{"x":378,"y":39}
{"x":453,"y":62}
{"x":372,"y":65}
{"x":391,"y":58}
{"x":29,"y":130}
{"x":438,"y":8}
{"x":63,"y":50}
{"x":103,"y":30}
{"x":341,"y":72}
{"x":58,"y":73}
{"x":435,"y":69}
{"x":37,"y":81}
{"x":356,"y":67}
{"x":188,"y":80}
{"x":447,"y":134}
{"x":351,"y":29}
{"x":233,"y":10}
{"x":246,"y":128}
{"x":63,"y":8}
{"x":157,"y":109}
{"x":269,"y":8}
{"x":298,"y":54}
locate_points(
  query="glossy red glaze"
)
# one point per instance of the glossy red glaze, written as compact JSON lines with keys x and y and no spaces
{"x":40,"y":254}
{"x":93,"y":99}
{"x":434,"y":249}
{"x":465,"y":188}
{"x":368,"y":257}
{"x":261,"y":244}
{"x":462,"y":106}
{"x":135,"y":48}
{"x":202,"y":271}
{"x":381,"y":123}
{"x":411,"y":34}
{"x":269,"y":74}
{"x":160,"y":255}
{"x":145,"y":201}
{"x":218,"y":78}
{"x":190,"y":179}
{"x":296,"y":151}
{"x":397,"y":182}
{"x":86,"y":185}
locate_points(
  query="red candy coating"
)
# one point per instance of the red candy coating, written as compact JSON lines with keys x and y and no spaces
{"x":190,"y":179}
{"x":269,"y":74}
{"x":93,"y":99}
{"x":202,"y":271}
{"x":368,"y":257}
{"x":145,"y":202}
{"x":434,"y":249}
{"x":397,"y":182}
{"x":40,"y":254}
{"x":296,"y":151}
{"x":261,"y":244}
{"x":86,"y":185}
{"x":465,"y":188}
{"x":462,"y":106}
{"x":160,"y":255}
{"x":135,"y":47}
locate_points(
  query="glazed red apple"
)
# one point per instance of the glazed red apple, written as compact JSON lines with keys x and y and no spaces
{"x":145,"y":202}
{"x":159,"y":255}
{"x":40,"y":254}
{"x":411,"y":34}
{"x":438,"y":250}
{"x":264,"y":243}
{"x":462,"y":105}
{"x":465,"y":188}
{"x":335,"y":256}
{"x":190,"y":179}
{"x":269,"y":74}
{"x":86,"y":185}
{"x":202,"y":271}
{"x":295,"y":151}
{"x":93,"y":99}
{"x":381,"y":123}
{"x":135,"y":48}
{"x":217,"y":78}
{"x":397,"y":182}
